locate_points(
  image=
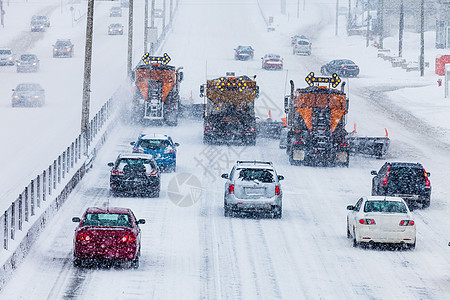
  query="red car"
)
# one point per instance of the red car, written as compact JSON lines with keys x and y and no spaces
{"x":107,"y":233}
{"x":272,"y":61}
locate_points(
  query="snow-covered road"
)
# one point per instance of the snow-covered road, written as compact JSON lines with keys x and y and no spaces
{"x":195,"y":252}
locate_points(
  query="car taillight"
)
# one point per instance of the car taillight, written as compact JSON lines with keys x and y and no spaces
{"x":167,"y":151}
{"x":209,"y":128}
{"x":152,"y":173}
{"x":128,"y":238}
{"x":251,"y":129}
{"x":135,"y":150}
{"x":231,"y":189}
{"x":83,"y":237}
{"x":298,"y":142}
{"x":385,"y":180}
{"x":277,"y":190}
{"x":117,"y":172}
{"x":343,"y":144}
{"x":367,"y":221}
{"x":406,"y":223}
{"x":427,"y":181}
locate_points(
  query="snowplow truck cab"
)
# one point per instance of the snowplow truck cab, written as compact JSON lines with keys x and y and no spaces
{"x":229,"y":114}
{"x":156,"y":92}
{"x":316,"y":119}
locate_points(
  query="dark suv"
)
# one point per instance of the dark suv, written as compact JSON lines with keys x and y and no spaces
{"x":63,"y":48}
{"x":135,"y":173}
{"x":407,"y":180}
{"x":243,"y":53}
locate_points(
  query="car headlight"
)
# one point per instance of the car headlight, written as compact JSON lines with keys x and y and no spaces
{"x":56,"y":49}
{"x":36,"y":96}
{"x":15,"y":96}
{"x":68,"y":49}
{"x":33,"y":64}
{"x":18,"y":63}
{"x":10,"y":58}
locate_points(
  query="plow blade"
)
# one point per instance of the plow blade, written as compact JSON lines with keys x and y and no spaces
{"x":373,"y":146}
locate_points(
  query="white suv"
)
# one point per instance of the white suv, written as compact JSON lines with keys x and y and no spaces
{"x":7,"y":57}
{"x":302,"y":46}
{"x":253,"y":186}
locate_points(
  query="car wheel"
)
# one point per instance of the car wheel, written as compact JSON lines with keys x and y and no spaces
{"x":277,"y":212}
{"x":226,"y":210}
{"x":77,"y":262}
{"x":349,"y":235}
{"x":135,"y":262}
{"x":426,"y":202}
{"x":355,"y":243}
{"x":412,"y":246}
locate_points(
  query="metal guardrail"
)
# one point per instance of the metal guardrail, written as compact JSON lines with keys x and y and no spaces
{"x":19,"y":215}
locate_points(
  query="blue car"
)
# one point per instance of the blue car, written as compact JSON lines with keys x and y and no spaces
{"x":161,"y":146}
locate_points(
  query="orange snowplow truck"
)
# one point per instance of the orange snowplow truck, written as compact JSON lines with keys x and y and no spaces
{"x":316,"y":118}
{"x":156,"y":91}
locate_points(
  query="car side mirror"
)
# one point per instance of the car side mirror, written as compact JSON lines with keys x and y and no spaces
{"x":280,"y":177}
{"x":224,"y":175}
{"x":76,"y":220}
{"x":177,"y":144}
{"x":373,"y":172}
{"x":141,"y":221}
{"x":132,"y":143}
{"x":428,"y":174}
{"x":110,"y":164}
{"x":350,"y":207}
{"x":12,"y":90}
{"x":262,"y":57}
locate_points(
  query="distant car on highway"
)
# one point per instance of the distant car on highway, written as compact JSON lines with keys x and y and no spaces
{"x":115,"y":28}
{"x":41,"y":20}
{"x":115,"y":11}
{"x":381,"y":220}
{"x":7,"y":57}
{"x":28,"y":94}
{"x":296,"y":37}
{"x":161,"y":146}
{"x":301,"y":46}
{"x":63,"y":48}
{"x":27,"y":63}
{"x":136,"y":174}
{"x":107,"y":233}
{"x":402,"y":179}
{"x":243,"y":53}
{"x":342,"y":67}
{"x":158,"y":13}
{"x":37,"y":25}
{"x":272,"y":61}
{"x":253,"y":187}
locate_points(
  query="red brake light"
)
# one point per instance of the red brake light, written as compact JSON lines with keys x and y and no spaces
{"x":135,"y":150}
{"x":231,"y":189}
{"x":427,"y":181}
{"x":117,"y":172}
{"x":385,"y":180}
{"x":153,"y":173}
{"x":83,"y":237}
{"x":128,"y":238}
{"x":367,"y":221}
{"x":277,"y":190}
{"x":406,"y":223}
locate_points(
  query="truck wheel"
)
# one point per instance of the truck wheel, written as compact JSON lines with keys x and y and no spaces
{"x":206,"y":140}
{"x":426,"y":202}
{"x":226,"y":211}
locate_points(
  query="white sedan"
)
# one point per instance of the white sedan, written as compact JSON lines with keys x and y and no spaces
{"x":380,"y":219}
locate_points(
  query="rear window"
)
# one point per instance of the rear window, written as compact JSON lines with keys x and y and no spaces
{"x":385,"y":206}
{"x":154,"y":144}
{"x":136,"y":163}
{"x":6,"y":52}
{"x":105,"y":219}
{"x":261,"y":175}
{"x":407,"y":174}
{"x":303,"y":43}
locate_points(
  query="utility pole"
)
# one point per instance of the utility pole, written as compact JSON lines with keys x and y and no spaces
{"x":283,"y":7}
{"x":2,"y":13}
{"x":422,"y":40}
{"x":152,"y":23}
{"x":381,"y":26}
{"x":87,"y":76}
{"x":130,"y":40}
{"x":337,"y":17}
{"x":298,"y":9}
{"x":171,"y":10}
{"x":349,"y":16}
{"x":400,"y":30}
{"x":145,"y":26}
{"x":164,"y":15}
{"x":368,"y":25}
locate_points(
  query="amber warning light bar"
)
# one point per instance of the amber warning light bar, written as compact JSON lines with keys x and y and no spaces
{"x":334,"y":80}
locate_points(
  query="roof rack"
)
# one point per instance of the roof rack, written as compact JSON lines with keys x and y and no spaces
{"x":254,"y":162}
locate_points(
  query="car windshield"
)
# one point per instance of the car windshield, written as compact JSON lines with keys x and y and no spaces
{"x":262,"y":175}
{"x":105,"y":219}
{"x":5,"y":52}
{"x":154,"y":144}
{"x":27,"y":87}
{"x":385,"y":206}
{"x":245,"y":48}
{"x":63,"y":43}
{"x":27,"y":57}
{"x":346,"y":62}
{"x":136,"y":163}
{"x":273,"y":56}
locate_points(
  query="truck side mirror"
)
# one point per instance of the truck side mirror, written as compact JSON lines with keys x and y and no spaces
{"x":224,"y":175}
{"x":76,"y":220}
{"x":373,"y":172}
{"x":181,"y":76}
{"x":257,"y":91}
{"x":202,"y":91}
{"x":286,"y":104}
